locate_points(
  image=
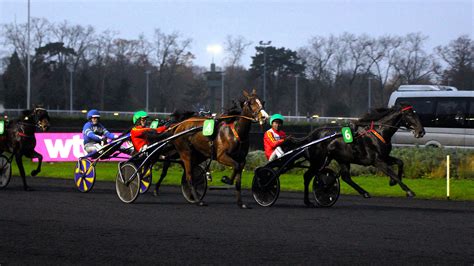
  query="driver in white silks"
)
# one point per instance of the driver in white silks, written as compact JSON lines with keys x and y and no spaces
{"x":274,"y":137}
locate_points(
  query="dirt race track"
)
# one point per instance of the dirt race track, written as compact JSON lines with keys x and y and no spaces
{"x":55,"y":224}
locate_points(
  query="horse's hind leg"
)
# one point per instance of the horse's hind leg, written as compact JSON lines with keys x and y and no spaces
{"x":19,"y":162}
{"x":346,"y":176}
{"x":383,"y":166}
{"x":399,"y":163}
{"x":164,"y":172}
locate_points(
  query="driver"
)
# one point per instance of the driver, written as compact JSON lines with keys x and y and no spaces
{"x":94,"y":132}
{"x":138,"y":132}
{"x":274,"y":137}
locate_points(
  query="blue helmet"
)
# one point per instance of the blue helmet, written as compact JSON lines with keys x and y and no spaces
{"x":92,"y":113}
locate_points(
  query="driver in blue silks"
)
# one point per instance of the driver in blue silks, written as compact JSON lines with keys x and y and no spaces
{"x":94,"y":132}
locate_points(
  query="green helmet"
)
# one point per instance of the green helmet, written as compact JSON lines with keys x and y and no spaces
{"x":276,"y":117}
{"x":138,"y":115}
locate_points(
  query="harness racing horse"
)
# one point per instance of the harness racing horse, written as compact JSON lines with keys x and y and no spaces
{"x":229,"y":146}
{"x":371,"y":146}
{"x":20,"y":139}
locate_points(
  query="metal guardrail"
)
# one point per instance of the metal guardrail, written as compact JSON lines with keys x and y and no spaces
{"x":127,"y":114}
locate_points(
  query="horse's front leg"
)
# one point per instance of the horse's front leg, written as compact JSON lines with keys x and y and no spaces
{"x":237,"y":169}
{"x":308,"y":176}
{"x":383,"y":166}
{"x":40,"y":160}
{"x":391,"y":161}
{"x":19,"y":162}
{"x":346,"y":176}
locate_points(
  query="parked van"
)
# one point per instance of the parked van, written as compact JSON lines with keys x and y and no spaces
{"x":446,"y":113}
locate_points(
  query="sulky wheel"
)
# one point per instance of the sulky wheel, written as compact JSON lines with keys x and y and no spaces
{"x":326,"y":188}
{"x":146,"y":180}
{"x":199,"y":183}
{"x":84,"y":175}
{"x":127,"y":183}
{"x":5,"y":171}
{"x":265,"y":186}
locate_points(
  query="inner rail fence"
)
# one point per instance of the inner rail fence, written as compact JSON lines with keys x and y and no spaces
{"x":123,"y":115}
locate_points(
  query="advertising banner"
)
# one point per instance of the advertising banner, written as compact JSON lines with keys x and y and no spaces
{"x":60,"y":147}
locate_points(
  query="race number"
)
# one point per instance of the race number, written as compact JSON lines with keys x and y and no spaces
{"x":347,"y":134}
{"x":2,"y":127}
{"x":208,"y":128}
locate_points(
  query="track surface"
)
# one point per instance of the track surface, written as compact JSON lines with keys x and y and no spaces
{"x":58,"y":225}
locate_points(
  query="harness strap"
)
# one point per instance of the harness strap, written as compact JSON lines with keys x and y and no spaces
{"x":373,"y":131}
{"x":21,"y":134}
{"x":232,"y":128}
{"x":407,"y":108}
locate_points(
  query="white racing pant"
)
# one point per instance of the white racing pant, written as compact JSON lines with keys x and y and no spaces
{"x":92,"y":147}
{"x":277,"y":153}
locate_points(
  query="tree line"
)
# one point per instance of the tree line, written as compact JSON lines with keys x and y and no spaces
{"x":331,"y":73}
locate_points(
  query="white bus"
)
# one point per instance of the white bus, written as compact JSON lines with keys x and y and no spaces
{"x":446,"y":113}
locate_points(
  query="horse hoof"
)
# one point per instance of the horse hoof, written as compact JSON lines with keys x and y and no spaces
{"x":392,"y":182}
{"x":243,"y":206}
{"x":201,"y":204}
{"x":366,"y":195}
{"x":309,"y":204}
{"x":411,"y":194}
{"x":34,"y":173}
{"x":226,"y":180}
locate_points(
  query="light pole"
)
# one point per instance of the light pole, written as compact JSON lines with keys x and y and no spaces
{"x":28,"y":83}
{"x":370,"y":92}
{"x":147,"y":89}
{"x":296,"y":95}
{"x":71,"y":70}
{"x":222,"y":90}
{"x":265,"y":45}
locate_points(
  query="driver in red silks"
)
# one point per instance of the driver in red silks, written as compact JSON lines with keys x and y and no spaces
{"x":274,"y":137}
{"x":137,"y":133}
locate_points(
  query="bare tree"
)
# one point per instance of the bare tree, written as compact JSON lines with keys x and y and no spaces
{"x":235,"y":49}
{"x":459,"y":56}
{"x":412,"y":64}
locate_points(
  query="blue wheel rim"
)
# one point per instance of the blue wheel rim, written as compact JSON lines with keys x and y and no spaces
{"x":84,"y":175}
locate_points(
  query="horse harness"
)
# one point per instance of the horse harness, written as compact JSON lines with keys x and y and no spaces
{"x":377,"y":134}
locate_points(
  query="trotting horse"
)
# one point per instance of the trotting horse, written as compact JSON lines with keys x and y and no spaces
{"x":371,"y":146}
{"x":20,"y":139}
{"x":229,"y":146}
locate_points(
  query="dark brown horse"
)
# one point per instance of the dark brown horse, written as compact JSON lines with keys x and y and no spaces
{"x":371,"y":146}
{"x":20,"y":140}
{"x":230,"y":142}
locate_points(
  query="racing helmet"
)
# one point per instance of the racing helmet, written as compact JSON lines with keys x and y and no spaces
{"x":276,"y":117}
{"x":139,"y":114}
{"x":92,"y":113}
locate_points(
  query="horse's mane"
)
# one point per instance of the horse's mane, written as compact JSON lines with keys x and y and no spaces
{"x":180,"y":115}
{"x":375,"y":114}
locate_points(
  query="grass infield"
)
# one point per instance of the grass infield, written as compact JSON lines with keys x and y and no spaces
{"x":460,"y":189}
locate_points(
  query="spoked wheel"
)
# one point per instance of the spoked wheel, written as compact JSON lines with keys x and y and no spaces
{"x":199,"y":183}
{"x":84,"y":175}
{"x":128,"y":189}
{"x":265,"y":186}
{"x":326,"y":188}
{"x":146,"y":180}
{"x":5,"y":171}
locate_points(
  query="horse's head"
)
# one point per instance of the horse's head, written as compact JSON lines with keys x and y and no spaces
{"x":41,"y":118}
{"x":253,"y":107}
{"x":411,"y":121}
